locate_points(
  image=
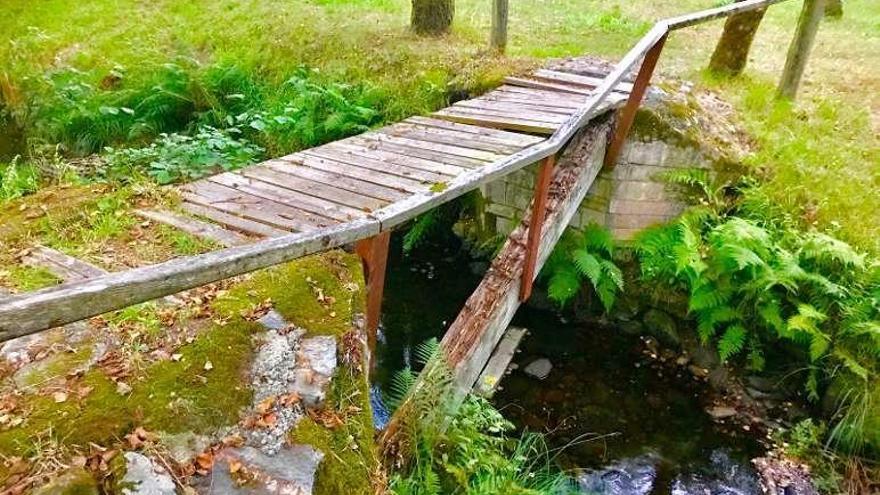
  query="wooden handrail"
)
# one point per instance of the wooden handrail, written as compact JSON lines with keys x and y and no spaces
{"x":36,"y":311}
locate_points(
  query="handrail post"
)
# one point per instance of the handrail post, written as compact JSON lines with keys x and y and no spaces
{"x":539,"y":211}
{"x":628,"y":114}
{"x":374,"y":257}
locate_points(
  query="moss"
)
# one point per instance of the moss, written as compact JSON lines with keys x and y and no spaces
{"x":28,"y":278}
{"x":350,"y":454}
{"x":77,"y":481}
{"x":320,"y":293}
{"x":20,"y":217}
{"x":54,"y":367}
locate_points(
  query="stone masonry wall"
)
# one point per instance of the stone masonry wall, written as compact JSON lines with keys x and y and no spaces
{"x":625,"y":198}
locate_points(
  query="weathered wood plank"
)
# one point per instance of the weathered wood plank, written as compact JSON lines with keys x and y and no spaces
{"x":329,"y":193}
{"x":274,"y":192}
{"x":587,"y":82}
{"x":233,"y":222}
{"x":385,"y":155}
{"x":293,"y":166}
{"x":332,"y":166}
{"x":546,"y":85}
{"x":485,"y":156}
{"x":369,"y":141}
{"x":35,"y":311}
{"x":444,"y":136}
{"x":530,"y":111}
{"x":497,"y":366}
{"x":377,"y":165}
{"x":496,"y":121}
{"x":63,"y":266}
{"x":198,"y":228}
{"x":494,"y":135}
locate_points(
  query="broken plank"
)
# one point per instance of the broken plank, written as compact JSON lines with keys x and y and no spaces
{"x":497,"y":366}
{"x":578,"y":80}
{"x":485,"y":156}
{"x":500,"y":122}
{"x":377,"y":165}
{"x":400,"y":183}
{"x":459,"y":161}
{"x":385,"y":155}
{"x":231,"y":221}
{"x":198,"y":228}
{"x":530,"y":111}
{"x":444,"y":136}
{"x":552,"y":86}
{"x":496,"y":135}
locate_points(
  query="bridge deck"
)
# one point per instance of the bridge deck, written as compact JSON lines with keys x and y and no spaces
{"x":355,"y":177}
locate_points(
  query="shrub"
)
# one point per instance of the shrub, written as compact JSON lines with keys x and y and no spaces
{"x":177,"y":157}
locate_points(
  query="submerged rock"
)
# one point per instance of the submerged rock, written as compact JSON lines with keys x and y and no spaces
{"x":723,"y":476}
{"x":144,"y":477}
{"x":633,"y":476}
{"x":539,"y":368}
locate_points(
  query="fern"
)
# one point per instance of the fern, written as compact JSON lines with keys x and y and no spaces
{"x":732,"y":342}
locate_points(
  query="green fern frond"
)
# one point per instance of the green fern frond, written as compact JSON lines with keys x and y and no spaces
{"x":401,"y":383}
{"x":587,"y":265}
{"x":613,"y":273}
{"x":732,"y":341}
{"x":563,"y":285}
{"x":426,"y":351}
{"x":598,"y":239}
{"x":826,"y":250}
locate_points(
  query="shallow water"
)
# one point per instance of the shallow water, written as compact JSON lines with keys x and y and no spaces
{"x":603,"y":402}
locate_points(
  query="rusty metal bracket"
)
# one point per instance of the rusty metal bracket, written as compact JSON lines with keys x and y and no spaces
{"x":539,"y":211}
{"x":374,"y":257}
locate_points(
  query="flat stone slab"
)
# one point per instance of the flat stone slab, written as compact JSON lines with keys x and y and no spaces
{"x":539,"y":368}
{"x":144,"y":477}
{"x":245,"y":470}
{"x":315,"y":365}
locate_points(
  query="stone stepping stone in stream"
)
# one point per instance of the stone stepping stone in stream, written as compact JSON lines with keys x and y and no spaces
{"x":248,"y":471}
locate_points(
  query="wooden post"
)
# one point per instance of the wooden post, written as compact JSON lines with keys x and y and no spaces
{"x":628,"y":114}
{"x":374,"y":256}
{"x":799,"y":51}
{"x":539,"y":210}
{"x":498,"y":40}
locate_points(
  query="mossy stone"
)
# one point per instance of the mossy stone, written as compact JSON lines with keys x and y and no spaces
{"x":76,"y":481}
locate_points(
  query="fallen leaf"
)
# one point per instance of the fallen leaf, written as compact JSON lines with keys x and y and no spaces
{"x":209,"y":366}
{"x":234,"y":466}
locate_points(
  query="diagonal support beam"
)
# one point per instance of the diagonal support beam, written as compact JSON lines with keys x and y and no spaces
{"x":628,"y":114}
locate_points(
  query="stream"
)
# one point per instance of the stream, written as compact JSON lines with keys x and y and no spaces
{"x":619,"y":423}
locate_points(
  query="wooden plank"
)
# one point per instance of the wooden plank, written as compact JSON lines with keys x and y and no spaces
{"x":497,"y":366}
{"x":526,"y":110}
{"x":30,"y":313}
{"x":376,"y":164}
{"x":252,"y":207}
{"x":321,"y":190}
{"x":495,"y":135}
{"x":271,"y":191}
{"x":551,"y":86}
{"x":542,"y":94}
{"x":400,"y":183}
{"x":234,"y":222}
{"x":459,"y":161}
{"x":384,"y":155}
{"x":545,"y":105}
{"x":587,"y":82}
{"x":198,"y":228}
{"x":293,"y":166}
{"x":455,"y":138}
{"x":486,"y":156}
{"x":63,"y":266}
{"x":462,"y":115}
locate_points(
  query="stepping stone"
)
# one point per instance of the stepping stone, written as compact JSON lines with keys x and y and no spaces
{"x":539,"y":368}
{"x":273,"y":320}
{"x":247,"y":471}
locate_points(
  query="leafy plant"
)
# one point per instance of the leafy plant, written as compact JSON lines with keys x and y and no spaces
{"x":177,"y":157}
{"x":750,"y":285}
{"x":17,"y":180}
{"x":584,"y":258}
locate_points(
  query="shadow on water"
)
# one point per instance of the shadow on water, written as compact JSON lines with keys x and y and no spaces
{"x":603,"y":405}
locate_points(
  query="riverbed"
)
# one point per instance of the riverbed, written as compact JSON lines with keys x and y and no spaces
{"x":618,"y":419}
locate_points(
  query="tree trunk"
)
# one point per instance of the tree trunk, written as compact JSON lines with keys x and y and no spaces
{"x":732,"y":51}
{"x":801,"y":45}
{"x":834,"y":9}
{"x":432,"y":17}
{"x":498,"y":40}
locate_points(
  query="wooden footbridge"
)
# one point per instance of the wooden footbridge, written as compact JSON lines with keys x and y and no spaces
{"x":358,"y":189}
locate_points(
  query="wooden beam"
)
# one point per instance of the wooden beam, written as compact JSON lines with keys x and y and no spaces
{"x":799,"y":50}
{"x":198,"y":228}
{"x":539,"y":211}
{"x":628,"y":114}
{"x":374,"y":256}
{"x":497,"y":366}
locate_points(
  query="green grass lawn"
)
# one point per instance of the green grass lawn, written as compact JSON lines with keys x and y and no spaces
{"x":71,"y":64}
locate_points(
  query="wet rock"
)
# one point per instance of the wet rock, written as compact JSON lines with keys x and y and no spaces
{"x":662,"y":325}
{"x":290,"y":471}
{"x":75,"y":480}
{"x":634,"y":476}
{"x":721,"y":412}
{"x":316,"y":363}
{"x":539,"y":368}
{"x":780,"y":476}
{"x":144,"y":477}
{"x":184,"y":447}
{"x":723,"y":476}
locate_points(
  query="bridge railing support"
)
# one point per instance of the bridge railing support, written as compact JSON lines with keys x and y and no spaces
{"x":374,"y":257}
{"x":539,"y":211}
